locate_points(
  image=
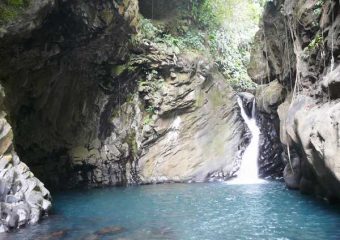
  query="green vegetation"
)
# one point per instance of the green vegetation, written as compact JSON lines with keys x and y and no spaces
{"x":148,"y":120}
{"x":320,"y":3}
{"x":153,"y":85}
{"x":232,"y":24}
{"x":315,"y":43}
{"x":192,"y":39}
{"x":150,"y":110}
{"x":222,"y":28}
{"x":9,"y":9}
{"x":216,"y":13}
{"x":317,"y":11}
{"x":118,"y":69}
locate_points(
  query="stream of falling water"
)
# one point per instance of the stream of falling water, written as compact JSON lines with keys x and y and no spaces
{"x":248,"y":173}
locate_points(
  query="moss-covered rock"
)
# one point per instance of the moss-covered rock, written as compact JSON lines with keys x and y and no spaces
{"x":10,"y":9}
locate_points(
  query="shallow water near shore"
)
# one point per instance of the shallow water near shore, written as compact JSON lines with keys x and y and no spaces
{"x":187,"y":211}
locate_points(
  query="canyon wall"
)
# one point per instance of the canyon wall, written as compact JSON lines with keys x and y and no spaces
{"x":297,"y":48}
{"x":90,"y":105}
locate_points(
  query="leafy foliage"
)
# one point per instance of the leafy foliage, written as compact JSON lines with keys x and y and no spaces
{"x":231,"y":41}
{"x":192,"y":39}
{"x":216,"y":13}
{"x":148,"y":120}
{"x":225,"y":28}
{"x":151,"y":110}
{"x":315,"y":43}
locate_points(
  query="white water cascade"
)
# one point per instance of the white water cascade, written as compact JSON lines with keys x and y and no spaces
{"x":248,"y":173}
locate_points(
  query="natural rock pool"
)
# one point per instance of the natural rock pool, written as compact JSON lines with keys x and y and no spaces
{"x":187,"y":211}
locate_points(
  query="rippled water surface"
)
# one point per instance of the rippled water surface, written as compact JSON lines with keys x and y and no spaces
{"x":183,"y":211}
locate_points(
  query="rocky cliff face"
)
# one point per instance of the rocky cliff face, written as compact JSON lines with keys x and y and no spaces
{"x":88,"y":105}
{"x":57,"y":73}
{"x":180,"y":124}
{"x":297,"y":47}
{"x":196,"y":133}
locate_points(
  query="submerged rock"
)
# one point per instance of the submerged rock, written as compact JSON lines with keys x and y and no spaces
{"x":60,"y":234}
{"x":112,"y":230}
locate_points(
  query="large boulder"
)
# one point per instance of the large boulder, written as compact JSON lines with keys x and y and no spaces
{"x":270,"y":96}
{"x":317,"y":128}
{"x":331,"y":83}
{"x":312,"y":129}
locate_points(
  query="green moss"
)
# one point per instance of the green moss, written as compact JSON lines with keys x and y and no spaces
{"x":115,"y":113}
{"x":217,"y":144}
{"x":200,"y":99}
{"x":7,"y":14}
{"x":131,"y":141}
{"x":130,"y":97}
{"x":10,"y":9}
{"x":107,"y":16}
{"x":148,"y":120}
{"x":17,"y":3}
{"x":118,"y":69}
{"x":216,"y":99}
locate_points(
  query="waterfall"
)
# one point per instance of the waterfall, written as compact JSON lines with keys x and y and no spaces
{"x":248,"y":173}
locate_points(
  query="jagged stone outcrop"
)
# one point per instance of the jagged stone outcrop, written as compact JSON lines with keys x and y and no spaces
{"x":196,"y":133}
{"x":23,"y":198}
{"x":308,"y":117}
